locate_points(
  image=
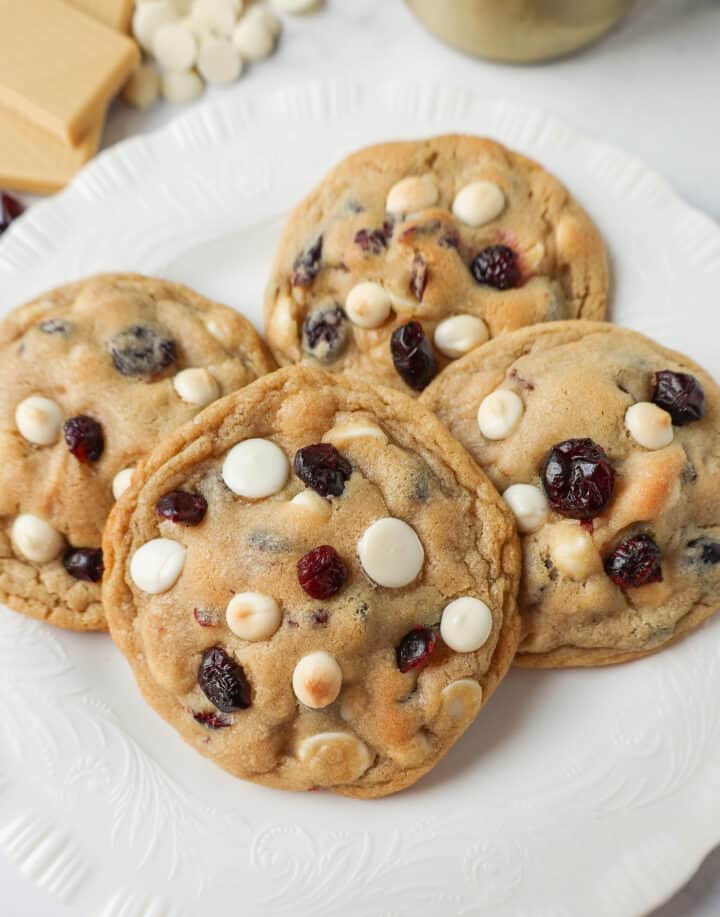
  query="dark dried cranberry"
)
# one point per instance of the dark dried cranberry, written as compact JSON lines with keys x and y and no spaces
{"x":223,"y":681}
{"x":307,"y":264}
{"x":182,"y":507}
{"x":141,"y":350}
{"x":496,"y":266}
{"x":450,"y":240}
{"x":57,"y":326}
{"x":321,"y":572}
{"x":84,"y":563}
{"x":205,"y":618}
{"x":681,"y":395}
{"x":374,"y":241}
{"x":212,"y":719}
{"x":578,"y":478}
{"x":84,"y":437}
{"x":320,"y":618}
{"x":419,"y":278}
{"x":415,"y":648}
{"x":325,"y":333}
{"x":413,"y":356}
{"x":635,"y":562}
{"x":10,"y":209}
{"x":323,"y":468}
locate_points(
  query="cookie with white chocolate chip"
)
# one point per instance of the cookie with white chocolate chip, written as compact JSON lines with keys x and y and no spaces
{"x":409,"y":255}
{"x":341,"y":602}
{"x":604,"y":444}
{"x":92,"y":376}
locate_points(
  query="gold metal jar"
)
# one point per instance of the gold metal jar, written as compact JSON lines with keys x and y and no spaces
{"x":519,"y":31}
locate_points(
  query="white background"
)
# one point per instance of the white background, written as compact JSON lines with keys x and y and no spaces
{"x":651,"y":87}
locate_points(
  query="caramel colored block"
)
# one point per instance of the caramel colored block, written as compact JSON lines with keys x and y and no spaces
{"x":59,"y":67}
{"x":114,"y":13}
{"x":33,"y":160}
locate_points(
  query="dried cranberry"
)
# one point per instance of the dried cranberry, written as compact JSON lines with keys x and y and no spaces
{"x":578,"y":478}
{"x":84,"y":437}
{"x":84,"y":563}
{"x":307,"y":264}
{"x":57,"y":326}
{"x":223,"y":681}
{"x":681,"y":395}
{"x":10,"y":209}
{"x":325,"y":333}
{"x":415,"y":648}
{"x":211,"y":719}
{"x":141,"y":350}
{"x":320,"y":618}
{"x":321,"y":572}
{"x":374,"y":241}
{"x":635,"y":562}
{"x":205,"y":618}
{"x":413,"y":356}
{"x":323,"y":468}
{"x":182,"y":507}
{"x":496,"y":266}
{"x":708,"y":549}
{"x":419,"y":278}
{"x":450,"y":240}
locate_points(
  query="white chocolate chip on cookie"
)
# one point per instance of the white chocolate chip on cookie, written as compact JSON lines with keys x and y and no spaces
{"x":460,"y":334}
{"x":499,"y":413}
{"x":196,"y":386}
{"x":334,"y":757}
{"x":354,"y":429}
{"x":368,"y":304}
{"x":255,"y":468}
{"x":462,"y":699}
{"x":573,"y":551}
{"x":391,"y":553}
{"x":39,"y":420}
{"x":317,"y":679}
{"x":649,"y":425}
{"x":416,"y":192}
{"x":311,"y":502}
{"x":35,"y":539}
{"x":253,"y":616}
{"x":478,"y":203}
{"x":121,"y":482}
{"x":529,"y":505}
{"x":156,"y":566}
{"x":466,"y":624}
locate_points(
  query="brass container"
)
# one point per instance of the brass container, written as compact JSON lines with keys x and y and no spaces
{"x":519,"y":31}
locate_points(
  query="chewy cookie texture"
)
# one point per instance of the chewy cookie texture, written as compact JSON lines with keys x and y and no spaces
{"x":605,"y":445}
{"x":92,"y":376}
{"x":314,"y":584}
{"x":409,"y":255}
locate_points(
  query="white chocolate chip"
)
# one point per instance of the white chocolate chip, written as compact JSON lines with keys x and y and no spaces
{"x":462,"y":699}
{"x":121,"y":482}
{"x":416,"y":192}
{"x":215,"y":15}
{"x":529,"y":505}
{"x":35,"y":540}
{"x":391,"y":553}
{"x":156,"y":566}
{"x":478,"y":203}
{"x":649,"y":425}
{"x":174,"y":46}
{"x":219,"y":61}
{"x":143,"y":88}
{"x":336,"y":757}
{"x":354,"y":429}
{"x":317,"y":679}
{"x":296,"y":7}
{"x":311,"y":502}
{"x":149,"y":17}
{"x":499,"y":413}
{"x":179,"y":86}
{"x":253,"y":616}
{"x":368,"y":304}
{"x":466,"y":624}
{"x":460,"y":334}
{"x":255,"y":468}
{"x":196,"y":386}
{"x":265,"y":15}
{"x":253,"y":39}
{"x":39,"y":420}
{"x":573,"y":551}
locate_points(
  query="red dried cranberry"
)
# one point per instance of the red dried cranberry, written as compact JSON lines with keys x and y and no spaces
{"x":211,"y":719}
{"x":84,"y":437}
{"x":373,"y":241}
{"x":325,"y":333}
{"x":415,"y":648}
{"x":323,"y":468}
{"x":419,"y":278}
{"x":307,"y":264}
{"x":141,"y":350}
{"x":182,"y":507}
{"x":635,"y":562}
{"x":412,"y":356}
{"x":496,"y":266}
{"x":578,"y":478}
{"x":10,"y":209}
{"x":321,"y":572}
{"x":205,"y":618}
{"x":681,"y":395}
{"x":84,"y":563}
{"x":223,"y":681}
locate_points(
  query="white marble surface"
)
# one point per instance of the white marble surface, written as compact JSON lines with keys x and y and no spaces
{"x":652,"y":87}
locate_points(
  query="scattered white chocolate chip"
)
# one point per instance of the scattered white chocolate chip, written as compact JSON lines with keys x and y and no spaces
{"x":368,"y":304}
{"x":311,"y":502}
{"x":148,"y":18}
{"x":216,"y":15}
{"x":255,"y":468}
{"x":121,"y":482}
{"x":296,"y":7}
{"x":573,"y":551}
{"x":499,"y":413}
{"x":317,"y":679}
{"x":416,"y":192}
{"x":218,"y":61}
{"x":649,"y":425}
{"x":181,"y":86}
{"x":529,"y":505}
{"x":462,"y":699}
{"x":35,"y":539}
{"x":39,"y":420}
{"x":143,"y":88}
{"x":174,"y":46}
{"x":334,"y":757}
{"x":253,"y":616}
{"x":253,"y":39}
{"x":156,"y":566}
{"x":391,"y":553}
{"x":353,"y":429}
{"x":196,"y":386}
{"x":460,"y":334}
{"x":478,"y":203}
{"x":466,"y":624}
{"x":265,"y":15}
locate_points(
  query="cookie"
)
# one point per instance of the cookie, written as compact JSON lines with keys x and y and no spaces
{"x":409,"y":255}
{"x":605,"y":445}
{"x":92,"y":376}
{"x":315,"y":585}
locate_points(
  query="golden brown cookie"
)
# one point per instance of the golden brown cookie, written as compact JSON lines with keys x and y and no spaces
{"x":606,"y":446}
{"x":408,"y":255}
{"x":92,"y":376}
{"x":315,"y":585}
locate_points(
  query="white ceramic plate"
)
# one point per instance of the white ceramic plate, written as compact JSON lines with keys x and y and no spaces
{"x":590,"y":793}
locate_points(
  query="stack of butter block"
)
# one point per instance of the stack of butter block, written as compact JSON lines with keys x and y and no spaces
{"x":61,"y":64}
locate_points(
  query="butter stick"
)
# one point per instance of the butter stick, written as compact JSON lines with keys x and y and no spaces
{"x":114,"y":13}
{"x":59,"y":67}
